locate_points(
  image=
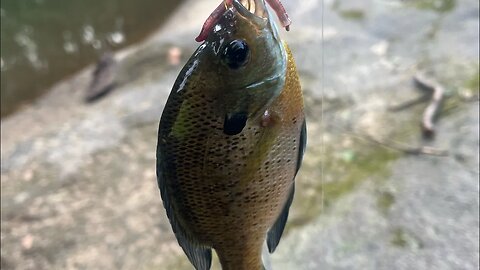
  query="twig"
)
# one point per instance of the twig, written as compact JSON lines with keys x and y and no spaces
{"x":409,"y":103}
{"x":431,"y":112}
{"x":407,"y":149}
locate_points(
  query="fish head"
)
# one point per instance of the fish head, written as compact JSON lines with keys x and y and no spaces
{"x":246,"y":62}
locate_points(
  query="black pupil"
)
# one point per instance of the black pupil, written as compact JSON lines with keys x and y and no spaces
{"x":235,"y":54}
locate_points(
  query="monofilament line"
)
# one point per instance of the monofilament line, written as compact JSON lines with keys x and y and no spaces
{"x":322,"y":125}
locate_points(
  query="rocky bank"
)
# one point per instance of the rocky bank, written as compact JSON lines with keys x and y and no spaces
{"x":78,"y":187}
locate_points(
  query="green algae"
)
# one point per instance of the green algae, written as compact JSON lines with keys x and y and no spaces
{"x":473,"y":83}
{"x":352,"y":14}
{"x":342,"y":175}
{"x":401,"y":238}
{"x":348,"y":14}
{"x":440,"y":6}
{"x":385,"y":200}
{"x":466,"y":89}
{"x":370,"y":163}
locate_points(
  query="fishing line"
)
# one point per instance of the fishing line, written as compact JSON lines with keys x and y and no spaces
{"x":322,"y":125}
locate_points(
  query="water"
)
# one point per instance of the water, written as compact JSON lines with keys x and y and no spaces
{"x":43,"y":41}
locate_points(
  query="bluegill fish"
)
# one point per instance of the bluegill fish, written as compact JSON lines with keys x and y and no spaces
{"x":231,"y":139}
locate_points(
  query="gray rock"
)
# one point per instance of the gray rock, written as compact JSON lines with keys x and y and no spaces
{"x":78,"y":188}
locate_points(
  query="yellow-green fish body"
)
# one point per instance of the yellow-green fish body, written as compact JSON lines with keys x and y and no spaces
{"x":231,"y":139}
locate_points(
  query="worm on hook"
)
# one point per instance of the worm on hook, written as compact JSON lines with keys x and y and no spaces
{"x":218,"y":12}
{"x":281,"y":13}
{"x":212,"y":20}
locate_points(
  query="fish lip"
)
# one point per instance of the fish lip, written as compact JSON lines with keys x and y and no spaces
{"x":260,"y":8}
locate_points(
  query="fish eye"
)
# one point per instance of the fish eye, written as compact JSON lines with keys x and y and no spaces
{"x":236,"y":54}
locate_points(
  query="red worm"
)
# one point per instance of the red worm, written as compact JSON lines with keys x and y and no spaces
{"x":212,"y":20}
{"x":218,"y":12}
{"x":281,"y":13}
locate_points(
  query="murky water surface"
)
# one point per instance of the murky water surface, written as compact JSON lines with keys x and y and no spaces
{"x":43,"y":41}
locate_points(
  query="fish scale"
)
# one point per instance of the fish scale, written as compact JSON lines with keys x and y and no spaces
{"x":203,"y":159}
{"x":221,"y":191}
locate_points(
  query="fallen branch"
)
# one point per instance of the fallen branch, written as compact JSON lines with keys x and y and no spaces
{"x":431,"y":112}
{"x":409,"y":103}
{"x":406,"y":149}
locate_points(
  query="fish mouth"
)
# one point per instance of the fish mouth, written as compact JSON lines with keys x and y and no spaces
{"x":253,"y":10}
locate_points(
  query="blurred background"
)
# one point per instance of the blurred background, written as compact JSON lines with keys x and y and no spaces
{"x":78,"y":186}
{"x":44,"y":41}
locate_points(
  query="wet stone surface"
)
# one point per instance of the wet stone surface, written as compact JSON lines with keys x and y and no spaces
{"x":78,"y":181}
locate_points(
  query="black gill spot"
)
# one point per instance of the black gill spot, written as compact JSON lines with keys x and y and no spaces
{"x":234,"y":124}
{"x":236,"y":54}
